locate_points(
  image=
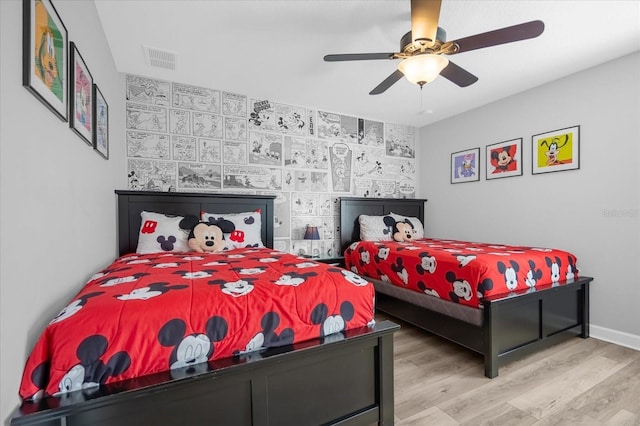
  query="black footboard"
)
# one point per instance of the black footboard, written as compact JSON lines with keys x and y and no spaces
{"x":348,"y":381}
{"x":513,"y":326}
{"x":518,"y":325}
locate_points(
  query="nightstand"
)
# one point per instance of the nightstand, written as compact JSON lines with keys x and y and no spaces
{"x":335,"y":261}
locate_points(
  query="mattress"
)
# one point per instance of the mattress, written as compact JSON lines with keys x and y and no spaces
{"x":461,"y":271}
{"x":147,"y":313}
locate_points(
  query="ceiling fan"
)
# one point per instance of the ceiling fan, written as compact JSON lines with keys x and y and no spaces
{"x":423,"y":48}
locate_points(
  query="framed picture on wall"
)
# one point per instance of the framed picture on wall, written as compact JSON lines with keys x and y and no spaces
{"x":556,"y":151}
{"x":80,"y":96}
{"x":504,"y":159}
{"x":44,"y":55}
{"x":464,"y":166}
{"x":101,"y":123}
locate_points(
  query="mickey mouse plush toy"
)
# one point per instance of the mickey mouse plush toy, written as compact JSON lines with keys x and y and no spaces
{"x":206,"y":237}
{"x":403,"y":230}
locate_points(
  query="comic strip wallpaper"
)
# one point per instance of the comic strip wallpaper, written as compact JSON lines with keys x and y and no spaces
{"x":187,"y":138}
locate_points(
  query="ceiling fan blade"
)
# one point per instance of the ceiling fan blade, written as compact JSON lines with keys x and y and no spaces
{"x":388,"y":82}
{"x":458,"y":75}
{"x":518,"y":32}
{"x":358,"y":57}
{"x":424,"y":21}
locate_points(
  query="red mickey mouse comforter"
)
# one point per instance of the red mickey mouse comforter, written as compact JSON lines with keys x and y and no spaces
{"x":461,"y":271}
{"x":156,"y":312}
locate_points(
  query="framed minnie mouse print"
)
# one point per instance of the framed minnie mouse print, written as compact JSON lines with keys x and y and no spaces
{"x":80,"y":96}
{"x":556,"y":151}
{"x":504,"y":159}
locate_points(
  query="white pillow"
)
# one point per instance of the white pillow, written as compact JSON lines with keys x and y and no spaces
{"x":248,"y":228}
{"x":417,"y":225}
{"x":373,"y":228}
{"x":159,"y":232}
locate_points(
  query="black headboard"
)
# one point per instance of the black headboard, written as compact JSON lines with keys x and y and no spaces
{"x":132,"y":203}
{"x":352,"y":207}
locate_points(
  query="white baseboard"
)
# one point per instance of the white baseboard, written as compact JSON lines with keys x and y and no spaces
{"x":621,"y":338}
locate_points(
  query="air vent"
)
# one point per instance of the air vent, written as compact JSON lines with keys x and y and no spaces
{"x":159,"y":58}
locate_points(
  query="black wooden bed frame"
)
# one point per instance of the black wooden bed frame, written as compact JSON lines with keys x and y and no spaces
{"x":512,"y":326}
{"x":346,"y":382}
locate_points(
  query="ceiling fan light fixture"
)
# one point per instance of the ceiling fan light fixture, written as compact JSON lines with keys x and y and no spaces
{"x":424,"y":68}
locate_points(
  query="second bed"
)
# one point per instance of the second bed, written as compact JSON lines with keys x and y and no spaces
{"x":501,"y":301}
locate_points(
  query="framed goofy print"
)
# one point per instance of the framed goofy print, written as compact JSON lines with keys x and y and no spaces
{"x":464,"y":166}
{"x":504,"y":159}
{"x":80,"y":96}
{"x":556,"y":151}
{"x":44,"y":55}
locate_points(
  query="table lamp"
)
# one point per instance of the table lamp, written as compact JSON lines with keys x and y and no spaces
{"x":311,"y":233}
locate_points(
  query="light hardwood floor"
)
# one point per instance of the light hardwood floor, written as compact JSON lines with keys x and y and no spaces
{"x":578,"y":382}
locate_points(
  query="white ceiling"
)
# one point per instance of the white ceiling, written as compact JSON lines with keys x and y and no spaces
{"x":273,"y":50}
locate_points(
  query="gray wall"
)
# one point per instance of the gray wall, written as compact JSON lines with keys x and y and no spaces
{"x":593,"y":211}
{"x":57,"y":205}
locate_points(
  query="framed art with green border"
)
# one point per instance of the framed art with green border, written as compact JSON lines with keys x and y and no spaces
{"x":464,"y":166}
{"x":504,"y":159}
{"x":556,"y":151}
{"x":44,"y":55}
